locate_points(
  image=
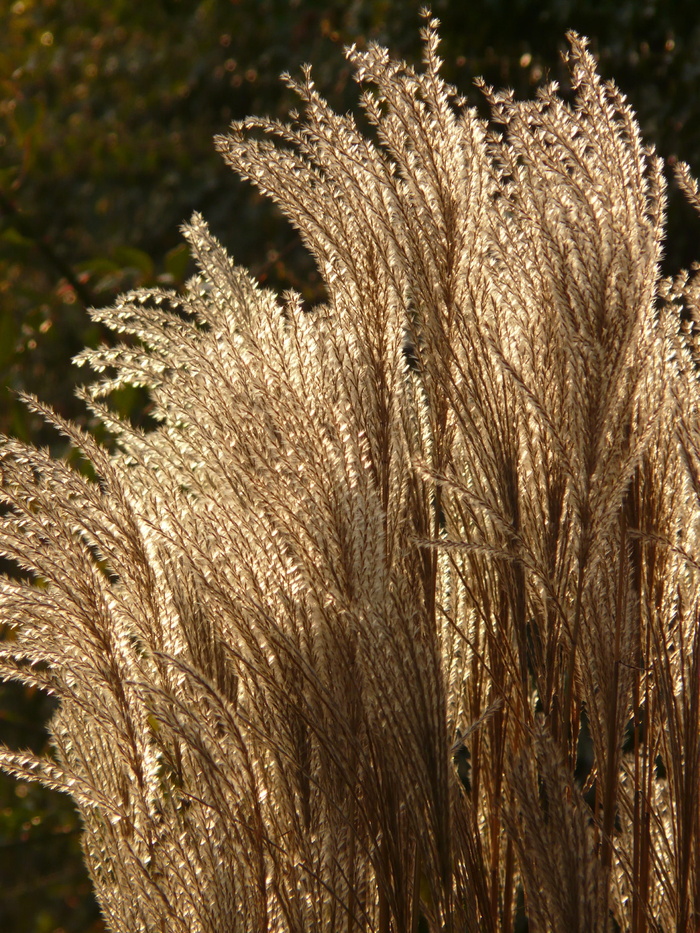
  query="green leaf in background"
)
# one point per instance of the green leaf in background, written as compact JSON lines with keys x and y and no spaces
{"x":177,"y":262}
{"x":130,"y":258}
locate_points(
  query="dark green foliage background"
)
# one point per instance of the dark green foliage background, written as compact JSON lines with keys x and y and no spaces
{"x":107,"y":113}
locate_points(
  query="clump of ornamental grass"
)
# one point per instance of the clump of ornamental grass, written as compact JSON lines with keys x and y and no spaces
{"x":391,"y":623}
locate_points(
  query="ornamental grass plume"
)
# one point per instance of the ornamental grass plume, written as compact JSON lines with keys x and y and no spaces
{"x":391,"y":623}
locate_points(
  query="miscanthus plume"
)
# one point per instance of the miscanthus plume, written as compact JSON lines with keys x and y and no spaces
{"x":391,"y":624}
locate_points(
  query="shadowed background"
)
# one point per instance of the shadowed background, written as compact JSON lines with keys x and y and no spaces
{"x":107,"y":113}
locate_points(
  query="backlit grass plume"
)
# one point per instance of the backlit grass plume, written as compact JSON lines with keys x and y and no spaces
{"x":392,"y":623}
